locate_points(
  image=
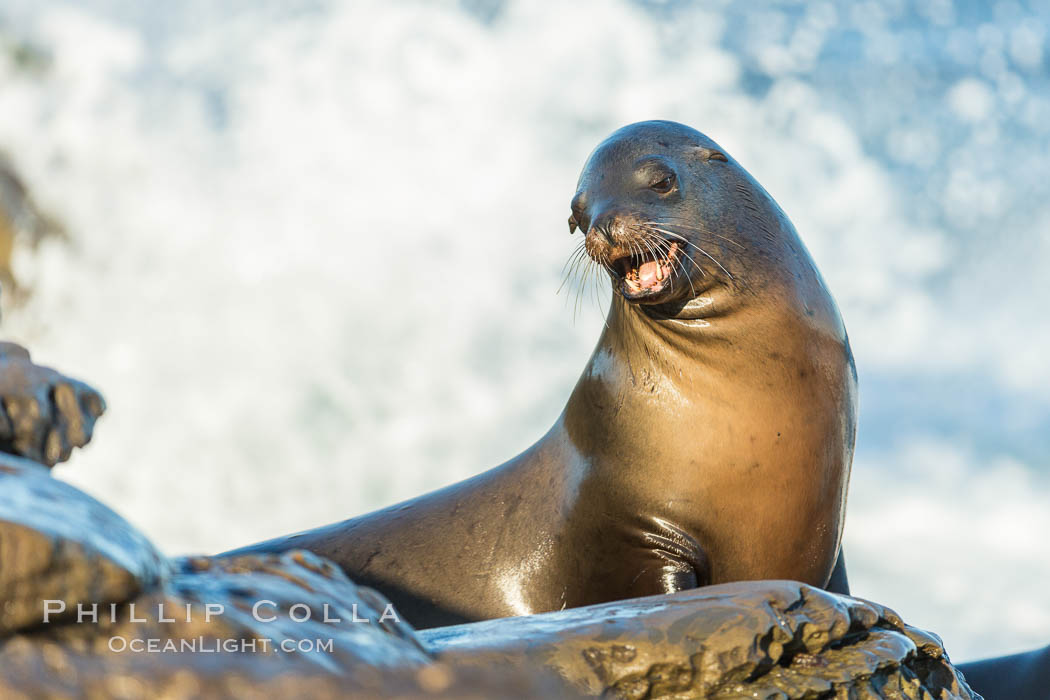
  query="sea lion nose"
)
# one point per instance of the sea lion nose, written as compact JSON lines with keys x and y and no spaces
{"x":580,"y":220}
{"x":602,"y":225}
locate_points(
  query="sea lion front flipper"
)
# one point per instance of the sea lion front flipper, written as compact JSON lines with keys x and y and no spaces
{"x":681,"y":561}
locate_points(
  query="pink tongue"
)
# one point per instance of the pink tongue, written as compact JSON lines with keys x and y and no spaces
{"x":647,"y":273}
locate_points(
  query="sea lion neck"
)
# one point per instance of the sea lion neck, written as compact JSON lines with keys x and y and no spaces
{"x":663,"y":337}
{"x":645,"y":354}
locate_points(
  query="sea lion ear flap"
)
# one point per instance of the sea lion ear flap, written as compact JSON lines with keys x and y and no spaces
{"x":711,"y":154}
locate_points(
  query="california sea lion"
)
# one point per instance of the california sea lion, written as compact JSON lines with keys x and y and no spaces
{"x":708,"y":440}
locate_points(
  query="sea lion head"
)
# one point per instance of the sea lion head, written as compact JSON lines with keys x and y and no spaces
{"x":651,"y":203}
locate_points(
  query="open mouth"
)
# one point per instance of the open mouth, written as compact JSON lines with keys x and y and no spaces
{"x":645,"y":274}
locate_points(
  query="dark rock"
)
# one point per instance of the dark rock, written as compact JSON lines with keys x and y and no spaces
{"x":59,"y":544}
{"x":43,"y":414}
{"x":760,"y":639}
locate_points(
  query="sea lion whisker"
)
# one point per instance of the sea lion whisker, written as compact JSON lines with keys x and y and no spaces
{"x":571,"y":265}
{"x":694,"y":229}
{"x":652,"y":243}
{"x":635,"y":252}
{"x":702,"y":251}
{"x":594,"y":274}
{"x":590,"y":276}
{"x":702,"y":232}
{"x":585,"y":259}
{"x":598,"y":297}
{"x":579,"y":271}
{"x":676,"y":271}
{"x":636,"y":249}
{"x":645,"y":242}
{"x":579,"y":258}
{"x":696,"y":265}
{"x":574,"y":277}
{"x":683,"y":252}
{"x":579,"y":291}
{"x":581,"y":248}
{"x":661,"y":244}
{"x":663,"y":251}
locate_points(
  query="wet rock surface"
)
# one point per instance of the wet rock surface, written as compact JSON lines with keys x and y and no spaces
{"x":89,"y":608}
{"x":57,"y":543}
{"x":762,"y":639}
{"x":251,"y":605}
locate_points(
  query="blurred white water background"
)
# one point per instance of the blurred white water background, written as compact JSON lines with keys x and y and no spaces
{"x":313,"y":250}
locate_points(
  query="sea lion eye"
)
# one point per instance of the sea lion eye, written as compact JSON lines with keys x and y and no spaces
{"x":715,"y":155}
{"x":663,"y":186}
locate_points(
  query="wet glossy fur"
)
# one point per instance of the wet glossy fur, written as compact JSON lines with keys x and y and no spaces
{"x":709,"y":438}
